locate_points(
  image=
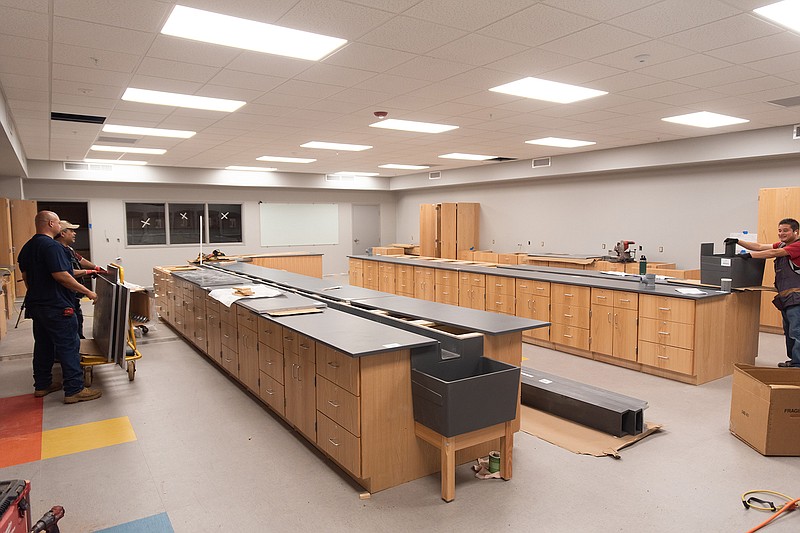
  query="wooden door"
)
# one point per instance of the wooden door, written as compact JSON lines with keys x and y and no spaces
{"x":625,"y":333}
{"x":467,"y":226}
{"x":300,"y":393}
{"x":214,"y":336}
{"x":602,"y":329}
{"x":248,"y":359}
{"x":448,"y":232}
{"x":429,"y":230}
{"x":6,"y":245}
{"x":23,"y":227}
{"x":774,"y":205}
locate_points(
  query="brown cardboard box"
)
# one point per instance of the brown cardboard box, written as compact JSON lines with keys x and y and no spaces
{"x":765,"y":408}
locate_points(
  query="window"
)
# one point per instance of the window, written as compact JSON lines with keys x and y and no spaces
{"x":179,"y":223}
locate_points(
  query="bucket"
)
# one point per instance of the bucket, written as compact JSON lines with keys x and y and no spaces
{"x":494,"y":462}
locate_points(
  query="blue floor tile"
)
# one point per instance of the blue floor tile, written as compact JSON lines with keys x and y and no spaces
{"x":152,"y":524}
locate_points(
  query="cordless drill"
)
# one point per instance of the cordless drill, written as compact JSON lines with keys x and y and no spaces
{"x":48,"y":522}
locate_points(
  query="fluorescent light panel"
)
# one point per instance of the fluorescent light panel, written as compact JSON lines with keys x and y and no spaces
{"x":115,"y":162}
{"x":209,"y":27}
{"x":278,"y":159}
{"x":150,"y":132}
{"x":786,"y":13}
{"x":549,"y":91}
{"x":467,"y":157}
{"x":128,"y":149}
{"x":559,"y":142}
{"x":404,"y":167}
{"x":410,"y":125}
{"x":336,"y":146}
{"x":355,"y":173}
{"x":146,"y":96}
{"x":251,"y":169}
{"x":705,"y":119}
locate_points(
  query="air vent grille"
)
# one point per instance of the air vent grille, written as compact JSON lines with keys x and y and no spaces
{"x":435,"y":175}
{"x":117,"y":140}
{"x":334,"y":177}
{"x":796,"y":132}
{"x":541,"y":162}
{"x":91,"y":167}
{"x":70,"y":117}
{"x":787,"y":102}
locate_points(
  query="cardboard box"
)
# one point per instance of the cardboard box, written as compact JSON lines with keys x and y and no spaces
{"x":765,"y":408}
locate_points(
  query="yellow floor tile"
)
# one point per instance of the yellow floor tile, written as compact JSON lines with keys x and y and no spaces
{"x":74,"y":439}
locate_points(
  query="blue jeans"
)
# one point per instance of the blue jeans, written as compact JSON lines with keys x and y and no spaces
{"x":54,"y":333}
{"x":791,"y":328}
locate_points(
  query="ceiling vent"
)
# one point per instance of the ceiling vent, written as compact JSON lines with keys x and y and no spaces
{"x":787,"y":102}
{"x":541,"y":162}
{"x":118,"y":140}
{"x":85,"y":119}
{"x":92,"y":167}
{"x":334,"y":177}
{"x":796,"y":132}
{"x":435,"y":175}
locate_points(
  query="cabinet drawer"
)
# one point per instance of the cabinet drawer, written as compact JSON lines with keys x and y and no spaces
{"x":602,"y":296}
{"x":424,"y":273}
{"x":448,"y":278}
{"x":212,"y":306}
{"x":500,"y":285}
{"x":569,"y":336}
{"x":666,"y":332}
{"x":537,"y":288}
{"x":270,"y":362}
{"x":298,"y":344}
{"x":339,"y":368}
{"x":270,"y":333}
{"x":230,"y":360}
{"x":341,"y":445}
{"x":229,"y":336}
{"x":542,"y":334}
{"x":666,"y":308}
{"x":570,"y":315}
{"x":666,"y":357}
{"x":272,"y":392}
{"x":475,"y":280}
{"x":570,"y":295}
{"x":626,"y":300}
{"x":500,"y":303}
{"x":246,"y":318}
{"x":228,"y":314}
{"x":446,"y":294}
{"x":339,"y":405}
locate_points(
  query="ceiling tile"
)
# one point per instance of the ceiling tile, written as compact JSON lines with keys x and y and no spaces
{"x":673,"y":16}
{"x":174,"y":70}
{"x":19,"y":81}
{"x":90,"y":75}
{"x":477,"y":50}
{"x":22,"y":23}
{"x":755,"y":85}
{"x":685,"y":66}
{"x":411,"y":35}
{"x":334,"y":75}
{"x":284,"y":67}
{"x":229,"y":93}
{"x":594,"y":41}
{"x":600,"y":9}
{"x":90,"y":35}
{"x":391,"y":84}
{"x":188,"y":51}
{"x":83,"y":88}
{"x":24,"y":48}
{"x":724,"y":32}
{"x":80,"y":56}
{"x":333,"y":18}
{"x":140,"y":81}
{"x":430,"y":69}
{"x":305,"y":88}
{"x":583,"y":73}
{"x":719,"y":77}
{"x":537,"y":25}
{"x":24,"y":67}
{"x":143,"y":15}
{"x":758,"y":49}
{"x":367,"y":57}
{"x":470,"y":15}
{"x":642,"y":55}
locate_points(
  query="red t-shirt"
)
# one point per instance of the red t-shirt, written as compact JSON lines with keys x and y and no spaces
{"x":793,"y":250}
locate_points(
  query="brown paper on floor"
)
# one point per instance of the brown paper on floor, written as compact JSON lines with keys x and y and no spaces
{"x":575,"y":437}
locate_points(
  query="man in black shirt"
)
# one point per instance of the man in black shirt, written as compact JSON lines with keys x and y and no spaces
{"x":50,"y":302}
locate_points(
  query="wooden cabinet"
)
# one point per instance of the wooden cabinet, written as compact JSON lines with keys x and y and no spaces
{"x":424,"y":283}
{"x":533,"y":301}
{"x":6,"y":243}
{"x":199,"y":316}
{"x":386,"y":277}
{"x":213,"y":330}
{"x":270,"y":364}
{"x":299,"y":360}
{"x":446,"y":286}
{"x":23,"y":227}
{"x":569,"y":315}
{"x":229,"y":343}
{"x":404,"y":280}
{"x":247,"y":349}
{"x":356,"y":272}
{"x":448,"y":228}
{"x":501,"y":294}
{"x":472,"y":290}
{"x":371,"y":275}
{"x":667,"y":333}
{"x":614,"y":323}
{"x":773,"y":206}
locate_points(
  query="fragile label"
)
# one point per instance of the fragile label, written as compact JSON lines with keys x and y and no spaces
{"x":725,"y":261}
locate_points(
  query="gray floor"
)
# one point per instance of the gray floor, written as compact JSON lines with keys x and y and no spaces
{"x":215,"y":460}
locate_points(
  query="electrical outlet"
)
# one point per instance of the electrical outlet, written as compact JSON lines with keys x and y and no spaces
{"x":604,"y":246}
{"x":542,"y":243}
{"x":492,"y":241}
{"x":529,"y":243}
{"x":661,"y":249}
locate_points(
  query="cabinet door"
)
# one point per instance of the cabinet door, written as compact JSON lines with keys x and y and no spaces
{"x":248,"y":359}
{"x":371,"y":275}
{"x":300,"y":393}
{"x":214,"y":337}
{"x":386,"y":279}
{"x":625,"y":333}
{"x":602,"y":336}
{"x":536,"y":308}
{"x":424,"y":284}
{"x":356,"y":272}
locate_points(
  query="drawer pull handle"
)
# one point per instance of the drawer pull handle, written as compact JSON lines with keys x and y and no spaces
{"x":567,"y":316}
{"x":304,"y":346}
{"x":539,"y":288}
{"x":624,"y":301}
{"x":333,"y":404}
{"x":333,"y":364}
{"x":665,"y":309}
{"x":662,"y":357}
{"x":663,"y":332}
{"x":568,"y":336}
{"x":333,"y":442}
{"x":287,"y":338}
{"x":498,"y":303}
{"x":268,"y":362}
{"x":270,"y":392}
{"x":601,"y":297}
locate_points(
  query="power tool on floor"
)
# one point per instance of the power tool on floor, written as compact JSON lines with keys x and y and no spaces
{"x":49,"y":521}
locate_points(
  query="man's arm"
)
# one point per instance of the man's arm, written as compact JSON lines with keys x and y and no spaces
{"x":86,"y":264}
{"x":71,"y":283}
{"x":756,"y":246}
{"x":761,"y":253}
{"x":24,"y":280}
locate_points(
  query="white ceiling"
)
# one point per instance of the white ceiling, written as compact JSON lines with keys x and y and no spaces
{"x":424,"y":60}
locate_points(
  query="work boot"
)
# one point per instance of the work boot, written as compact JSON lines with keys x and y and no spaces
{"x":56,"y":385}
{"x":787,"y":364}
{"x":84,"y":396}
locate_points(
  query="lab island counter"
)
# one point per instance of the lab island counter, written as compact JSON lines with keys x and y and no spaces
{"x":692,"y":338}
{"x":342,"y":379}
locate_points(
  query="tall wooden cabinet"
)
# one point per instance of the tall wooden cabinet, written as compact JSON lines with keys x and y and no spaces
{"x":23,"y":228}
{"x":774,"y":205}
{"x":448,"y":228}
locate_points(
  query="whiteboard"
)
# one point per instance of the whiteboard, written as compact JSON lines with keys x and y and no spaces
{"x":299,"y":224}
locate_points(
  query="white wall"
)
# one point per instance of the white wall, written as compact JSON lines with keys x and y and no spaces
{"x":677,"y":208}
{"x":107,"y":217}
{"x":10,"y":187}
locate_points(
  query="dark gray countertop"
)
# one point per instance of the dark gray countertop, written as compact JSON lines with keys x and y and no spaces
{"x":351,"y":334}
{"x":559,"y":275}
{"x":285,"y":302}
{"x":207,"y":278}
{"x":451,"y":315}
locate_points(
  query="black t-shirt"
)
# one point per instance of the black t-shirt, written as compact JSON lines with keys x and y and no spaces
{"x":38,"y":259}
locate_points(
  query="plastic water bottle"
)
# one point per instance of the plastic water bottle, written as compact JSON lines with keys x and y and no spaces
{"x":642,"y":265}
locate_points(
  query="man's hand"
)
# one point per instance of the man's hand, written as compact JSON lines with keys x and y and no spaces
{"x":92,"y":296}
{"x":746,"y":255}
{"x":731,"y":240}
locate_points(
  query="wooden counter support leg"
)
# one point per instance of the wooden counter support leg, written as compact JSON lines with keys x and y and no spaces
{"x":448,"y":449}
{"x":506,"y":451}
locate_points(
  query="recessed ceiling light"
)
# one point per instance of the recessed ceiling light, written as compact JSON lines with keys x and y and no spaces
{"x":786,"y":13}
{"x":278,"y":159}
{"x":251,"y":169}
{"x":209,"y":27}
{"x":410,"y":125}
{"x":151,"y":132}
{"x":127,"y":149}
{"x":705,"y":119}
{"x":561,"y":143}
{"x":115,"y":161}
{"x":467,"y":157}
{"x":356,"y":173}
{"x":146,"y":96}
{"x":404,"y":167}
{"x":336,"y":146}
{"x":549,"y":91}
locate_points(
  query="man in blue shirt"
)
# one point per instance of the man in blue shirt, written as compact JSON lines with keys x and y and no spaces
{"x":50,"y":302}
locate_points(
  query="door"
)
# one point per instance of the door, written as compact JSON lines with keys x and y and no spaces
{"x":366,"y":228}
{"x":23,"y":227}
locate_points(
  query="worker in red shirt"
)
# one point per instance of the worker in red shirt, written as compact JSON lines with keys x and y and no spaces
{"x":787,"y":281}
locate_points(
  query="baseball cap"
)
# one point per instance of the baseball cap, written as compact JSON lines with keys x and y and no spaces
{"x":66,"y":225}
